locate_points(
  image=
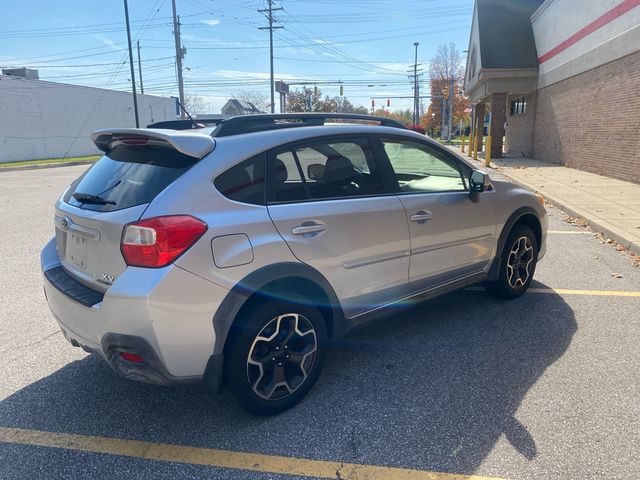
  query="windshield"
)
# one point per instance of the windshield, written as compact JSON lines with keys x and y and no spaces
{"x":126,"y":177}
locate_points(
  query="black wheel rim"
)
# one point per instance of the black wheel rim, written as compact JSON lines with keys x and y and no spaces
{"x":520,"y":262}
{"x":282,"y":356}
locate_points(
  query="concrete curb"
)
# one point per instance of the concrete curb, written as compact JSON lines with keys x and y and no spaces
{"x":45,"y":165}
{"x":607,"y":230}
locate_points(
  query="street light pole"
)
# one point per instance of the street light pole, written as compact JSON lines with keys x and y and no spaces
{"x":133,"y":78}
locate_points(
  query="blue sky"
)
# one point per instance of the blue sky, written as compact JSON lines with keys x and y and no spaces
{"x":367,"y":44}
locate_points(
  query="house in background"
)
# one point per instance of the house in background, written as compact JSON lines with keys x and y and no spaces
{"x":560,"y":82}
{"x":235,"y":107}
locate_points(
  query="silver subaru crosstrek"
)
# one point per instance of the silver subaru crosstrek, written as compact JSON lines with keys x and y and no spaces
{"x":231,"y":254}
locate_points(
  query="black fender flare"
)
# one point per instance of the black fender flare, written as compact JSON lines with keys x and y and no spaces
{"x":237,"y":297}
{"x":511,"y":221}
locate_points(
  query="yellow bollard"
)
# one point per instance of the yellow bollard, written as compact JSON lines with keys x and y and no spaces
{"x":476,"y":138}
{"x":462,"y":147}
{"x":487,"y":151}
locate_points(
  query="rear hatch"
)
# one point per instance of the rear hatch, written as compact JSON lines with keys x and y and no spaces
{"x":90,"y":217}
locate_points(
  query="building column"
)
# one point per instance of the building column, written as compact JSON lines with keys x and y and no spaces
{"x":498,"y":119}
{"x":479,"y":112}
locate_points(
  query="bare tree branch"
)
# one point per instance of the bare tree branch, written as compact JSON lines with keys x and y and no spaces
{"x":259,"y":99}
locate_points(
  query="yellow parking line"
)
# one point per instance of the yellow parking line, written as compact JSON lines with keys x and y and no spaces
{"x":220,"y":458}
{"x":600,"y":293}
{"x":565,"y":291}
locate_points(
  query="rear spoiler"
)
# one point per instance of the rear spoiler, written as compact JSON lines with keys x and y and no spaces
{"x":192,"y":144}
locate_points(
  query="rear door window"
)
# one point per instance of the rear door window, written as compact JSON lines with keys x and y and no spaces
{"x":323,"y":169}
{"x":126,"y":177}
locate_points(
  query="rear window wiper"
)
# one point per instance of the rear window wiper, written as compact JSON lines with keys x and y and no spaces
{"x":96,"y":199}
{"x":92,"y":199}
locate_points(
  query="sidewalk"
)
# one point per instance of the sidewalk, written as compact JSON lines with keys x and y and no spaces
{"x":609,"y":206}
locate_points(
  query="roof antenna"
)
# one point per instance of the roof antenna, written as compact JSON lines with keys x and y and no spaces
{"x":195,"y":124}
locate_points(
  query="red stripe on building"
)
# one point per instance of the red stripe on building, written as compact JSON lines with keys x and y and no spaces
{"x":598,"y":23}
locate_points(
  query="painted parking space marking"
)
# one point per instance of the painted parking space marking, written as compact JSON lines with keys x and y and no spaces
{"x":596,"y":293}
{"x":566,"y":291}
{"x":219,"y":458}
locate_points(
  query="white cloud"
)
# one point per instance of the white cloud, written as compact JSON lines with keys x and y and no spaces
{"x":399,"y":67}
{"x":237,"y":74}
{"x":107,"y":41}
{"x":319,"y":41}
{"x":212,"y":22}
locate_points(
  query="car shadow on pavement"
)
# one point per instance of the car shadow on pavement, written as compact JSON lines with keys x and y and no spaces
{"x":430,"y":388}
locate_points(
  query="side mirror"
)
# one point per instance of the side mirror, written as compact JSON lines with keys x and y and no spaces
{"x":478,"y":182}
{"x":315,"y":171}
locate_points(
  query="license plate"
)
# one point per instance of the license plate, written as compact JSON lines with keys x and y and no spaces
{"x":77,"y":250}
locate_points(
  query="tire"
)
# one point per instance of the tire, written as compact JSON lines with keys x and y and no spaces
{"x":517,"y":264}
{"x":274,"y":355}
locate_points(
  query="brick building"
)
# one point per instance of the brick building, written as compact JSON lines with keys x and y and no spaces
{"x":561,"y":79}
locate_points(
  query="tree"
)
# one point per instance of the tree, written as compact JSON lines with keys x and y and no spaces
{"x":259,"y":99}
{"x":194,"y":104}
{"x":343,"y":105}
{"x":403,"y":116}
{"x":444,"y":67}
{"x":311,"y":100}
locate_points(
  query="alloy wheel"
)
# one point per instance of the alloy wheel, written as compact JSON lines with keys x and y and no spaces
{"x":282,"y":356}
{"x":519,"y":262}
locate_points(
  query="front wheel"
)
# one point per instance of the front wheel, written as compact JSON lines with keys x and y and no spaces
{"x":517,"y":265}
{"x":275,"y":356}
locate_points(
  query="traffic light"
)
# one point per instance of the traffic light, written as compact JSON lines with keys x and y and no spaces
{"x":373,"y":103}
{"x":341,"y":90}
{"x":388,"y":102}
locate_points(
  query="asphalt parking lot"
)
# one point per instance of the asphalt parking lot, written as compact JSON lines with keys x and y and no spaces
{"x":545,"y":386}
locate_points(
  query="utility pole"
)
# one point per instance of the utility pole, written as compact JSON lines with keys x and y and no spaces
{"x":451,"y":96}
{"x":415,"y":77}
{"x":133,"y":78}
{"x":140,"y":70}
{"x":179,"y":55}
{"x":416,"y":94}
{"x":269,"y":11}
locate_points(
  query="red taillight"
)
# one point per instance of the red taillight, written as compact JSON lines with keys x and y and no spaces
{"x":132,"y":357}
{"x":157,"y":242}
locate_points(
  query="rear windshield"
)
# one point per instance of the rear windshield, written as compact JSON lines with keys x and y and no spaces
{"x":126,"y":177}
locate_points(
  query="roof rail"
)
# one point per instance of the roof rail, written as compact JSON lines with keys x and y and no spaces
{"x":185,"y":124}
{"x":258,"y":123}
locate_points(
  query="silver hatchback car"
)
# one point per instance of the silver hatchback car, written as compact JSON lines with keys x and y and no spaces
{"x":231,"y":254}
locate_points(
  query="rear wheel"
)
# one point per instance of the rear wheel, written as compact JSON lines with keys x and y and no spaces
{"x":517,"y":265}
{"x":275,"y":355}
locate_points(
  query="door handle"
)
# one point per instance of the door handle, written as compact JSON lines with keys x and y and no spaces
{"x":421,"y":216}
{"x":308,"y":228}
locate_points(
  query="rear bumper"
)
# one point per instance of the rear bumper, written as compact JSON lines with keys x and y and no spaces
{"x":164,"y":315}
